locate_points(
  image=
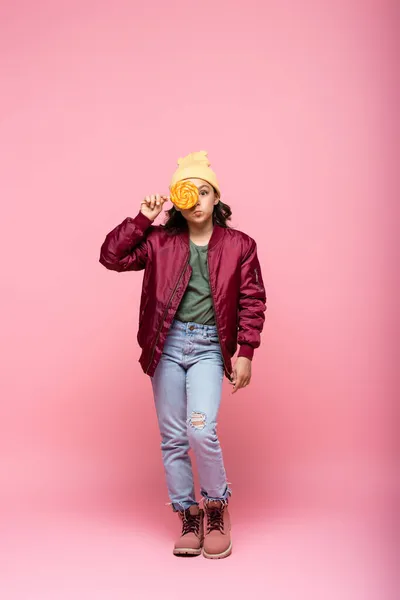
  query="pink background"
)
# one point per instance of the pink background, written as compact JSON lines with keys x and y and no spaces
{"x":295,"y":103}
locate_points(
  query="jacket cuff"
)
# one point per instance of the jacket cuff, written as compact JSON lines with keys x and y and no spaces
{"x":246,"y":350}
{"x":142,"y":221}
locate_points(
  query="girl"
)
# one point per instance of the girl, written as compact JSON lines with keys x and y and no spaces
{"x":202,"y":295}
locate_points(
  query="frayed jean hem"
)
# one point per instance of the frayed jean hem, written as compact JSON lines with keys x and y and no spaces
{"x":224,"y":498}
{"x":179,"y":506}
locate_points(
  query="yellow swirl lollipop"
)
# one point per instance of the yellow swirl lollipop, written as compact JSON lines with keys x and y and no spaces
{"x":184,"y":194}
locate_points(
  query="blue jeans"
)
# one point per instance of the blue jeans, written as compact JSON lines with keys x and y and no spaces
{"x":187,"y":386}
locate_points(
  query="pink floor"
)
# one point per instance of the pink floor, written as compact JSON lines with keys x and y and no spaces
{"x":120,"y":555}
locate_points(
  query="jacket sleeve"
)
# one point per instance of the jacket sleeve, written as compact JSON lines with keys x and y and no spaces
{"x":252,"y":303}
{"x":125,"y":247}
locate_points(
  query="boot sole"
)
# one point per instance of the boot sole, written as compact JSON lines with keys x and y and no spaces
{"x":223,"y":554}
{"x":187,"y":552}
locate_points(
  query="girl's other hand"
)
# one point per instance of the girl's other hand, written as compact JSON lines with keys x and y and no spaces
{"x":241,"y":374}
{"x":152,"y":205}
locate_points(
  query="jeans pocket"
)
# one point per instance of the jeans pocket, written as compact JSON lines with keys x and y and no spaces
{"x":213,"y":338}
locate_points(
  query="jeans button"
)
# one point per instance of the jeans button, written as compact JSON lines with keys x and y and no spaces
{"x":191,"y":327}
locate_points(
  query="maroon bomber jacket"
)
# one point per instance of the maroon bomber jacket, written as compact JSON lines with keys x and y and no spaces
{"x":236,"y":284}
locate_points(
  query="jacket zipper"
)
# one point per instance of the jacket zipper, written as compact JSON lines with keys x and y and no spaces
{"x":215,"y":313}
{"x":165,"y":312}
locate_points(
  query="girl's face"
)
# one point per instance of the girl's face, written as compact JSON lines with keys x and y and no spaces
{"x":203,"y":210}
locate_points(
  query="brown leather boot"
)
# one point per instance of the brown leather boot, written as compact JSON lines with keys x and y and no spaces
{"x":217,"y":540}
{"x":192,"y":537}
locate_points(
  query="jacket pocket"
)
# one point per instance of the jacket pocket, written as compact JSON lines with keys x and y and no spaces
{"x":141,"y":316}
{"x":142,"y":311}
{"x":257,"y":278}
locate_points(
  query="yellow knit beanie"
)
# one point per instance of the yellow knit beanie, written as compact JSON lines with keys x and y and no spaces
{"x":195,"y":166}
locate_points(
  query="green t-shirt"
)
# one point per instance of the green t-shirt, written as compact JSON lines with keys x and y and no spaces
{"x":196,"y":305}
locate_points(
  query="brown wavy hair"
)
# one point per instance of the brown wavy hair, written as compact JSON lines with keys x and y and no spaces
{"x":176,"y":222}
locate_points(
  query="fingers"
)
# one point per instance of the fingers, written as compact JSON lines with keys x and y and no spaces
{"x":155,"y":201}
{"x":152,"y":200}
{"x":239,"y":383}
{"x":234,"y":379}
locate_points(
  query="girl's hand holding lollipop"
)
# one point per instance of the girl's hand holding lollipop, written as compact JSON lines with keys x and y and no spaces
{"x":152,"y":205}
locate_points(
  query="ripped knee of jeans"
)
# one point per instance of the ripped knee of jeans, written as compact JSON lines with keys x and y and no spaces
{"x":197,"y":420}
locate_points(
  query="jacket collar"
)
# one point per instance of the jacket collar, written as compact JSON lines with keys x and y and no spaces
{"x":216,"y":236}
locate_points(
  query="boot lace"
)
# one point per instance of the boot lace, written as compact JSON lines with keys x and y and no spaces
{"x":215,"y":519}
{"x":190,"y":523}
